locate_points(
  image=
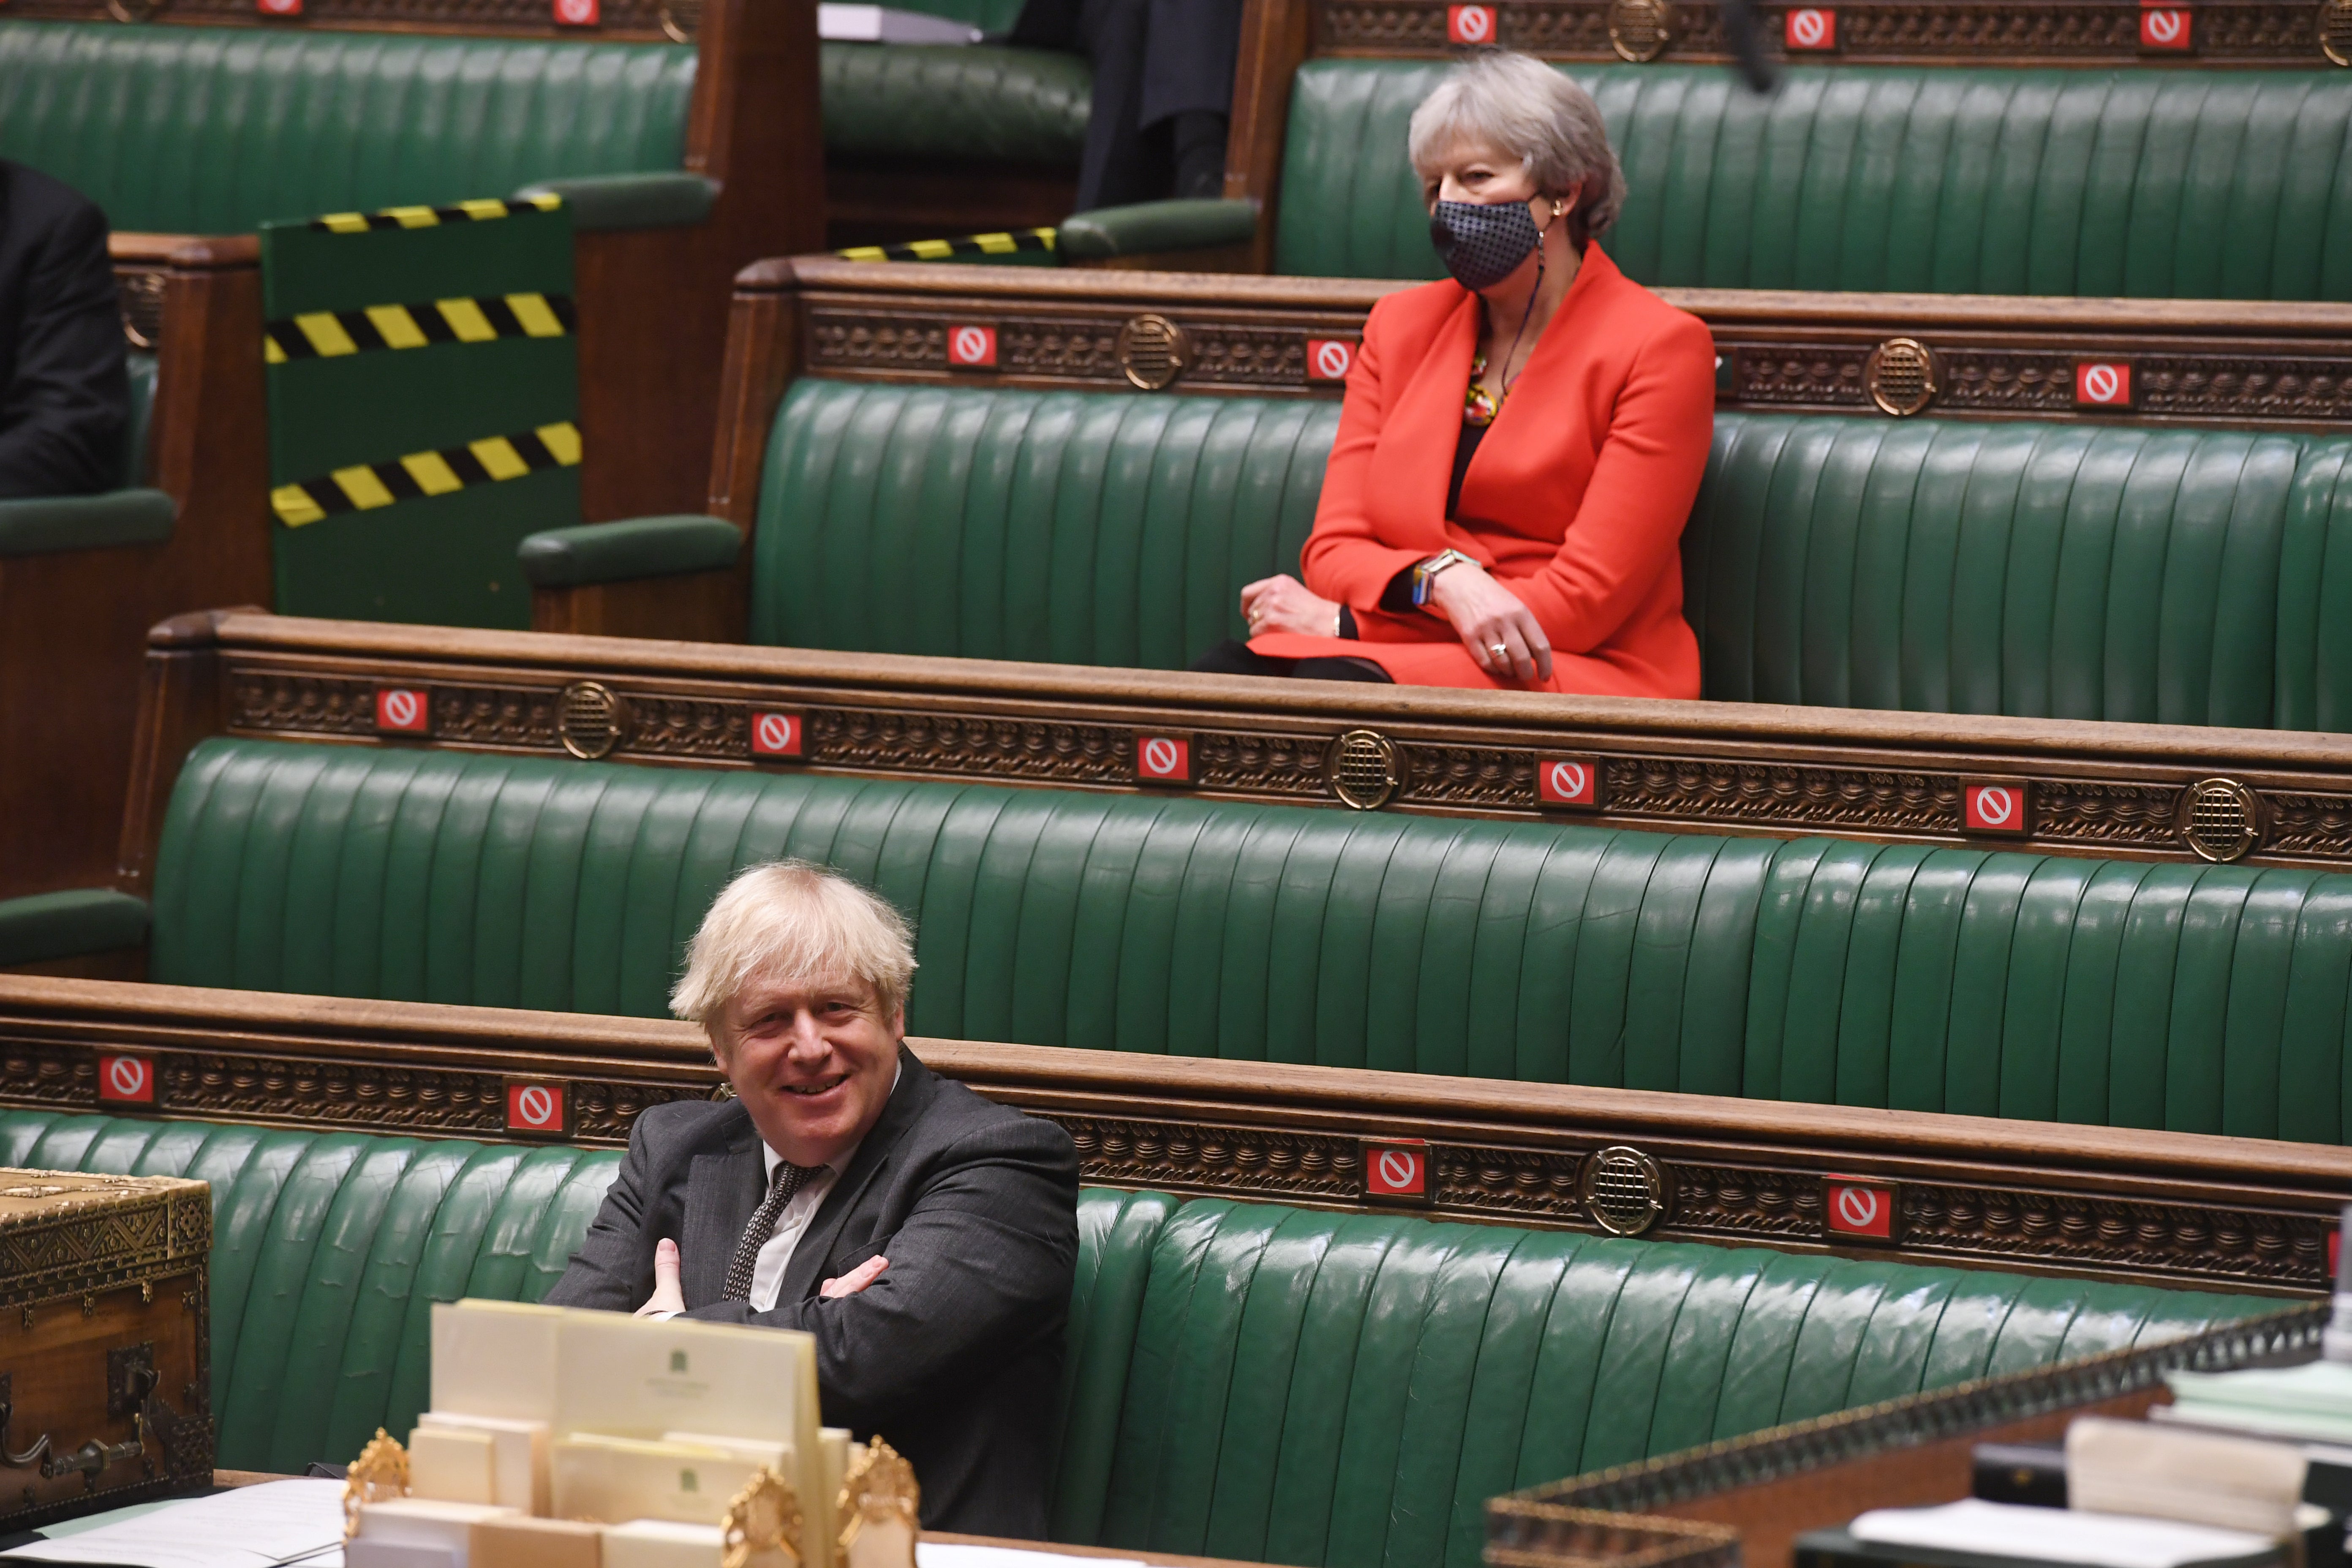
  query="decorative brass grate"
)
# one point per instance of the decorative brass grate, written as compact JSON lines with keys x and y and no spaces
{"x":2336,"y":30}
{"x":1363,"y":770}
{"x":1641,"y":30}
{"x":1901,"y":377}
{"x":1623,"y":1189}
{"x":2220,"y":819}
{"x":1154,"y":351}
{"x":589,"y":720}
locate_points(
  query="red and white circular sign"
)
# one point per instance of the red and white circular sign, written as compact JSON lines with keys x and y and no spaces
{"x":278,"y":7}
{"x":578,"y":12}
{"x":1163,"y":759}
{"x":1396,"y":1170}
{"x":776,"y":734}
{"x":1811,"y":27}
{"x":1566,"y":781}
{"x":534,"y":1108}
{"x":2103,"y":384}
{"x":2163,"y":27}
{"x":402,"y":710}
{"x":127,"y":1079}
{"x":1858,"y":1206}
{"x":1996,"y":807}
{"x":1992,"y":807}
{"x":1855,"y":1207}
{"x":1330,"y":359}
{"x":1470,"y":24}
{"x":972,"y":347}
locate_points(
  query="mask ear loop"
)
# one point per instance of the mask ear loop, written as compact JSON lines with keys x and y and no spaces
{"x":1525,"y":316}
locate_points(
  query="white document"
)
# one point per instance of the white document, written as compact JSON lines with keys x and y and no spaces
{"x":2045,"y":1534}
{"x":851,"y":24}
{"x":949,"y":1554}
{"x":495,"y":1358}
{"x":252,"y":1527}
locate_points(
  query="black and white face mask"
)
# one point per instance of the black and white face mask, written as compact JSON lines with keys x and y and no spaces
{"x":1481,"y":243}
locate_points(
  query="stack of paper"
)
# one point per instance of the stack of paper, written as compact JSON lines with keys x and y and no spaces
{"x":2313,"y":1400}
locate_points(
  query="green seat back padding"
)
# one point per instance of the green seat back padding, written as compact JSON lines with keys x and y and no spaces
{"x":327,"y":1252}
{"x":1079,"y":528}
{"x":2067,"y":572}
{"x":1243,"y":1380}
{"x":2200,"y":998}
{"x":2170,"y":576}
{"x":2181,"y":184}
{"x":214,"y":130}
{"x":959,"y":103}
{"x":1315,"y":1388}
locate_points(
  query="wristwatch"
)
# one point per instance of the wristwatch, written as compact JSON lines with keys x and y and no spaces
{"x":1424,"y":573}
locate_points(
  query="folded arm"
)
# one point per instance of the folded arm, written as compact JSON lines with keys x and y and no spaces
{"x":612,"y":1270}
{"x":985,"y":1256}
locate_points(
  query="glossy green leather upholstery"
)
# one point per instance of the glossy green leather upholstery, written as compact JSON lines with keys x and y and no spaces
{"x":213,"y":130}
{"x":2201,"y":998}
{"x":2069,"y":572}
{"x":2075,"y":572}
{"x":2169,"y":184}
{"x":1077,"y":528}
{"x":974,"y":104}
{"x":1244,"y":1380}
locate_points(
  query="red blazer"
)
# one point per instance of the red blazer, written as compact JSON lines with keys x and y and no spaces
{"x":1575,"y":500}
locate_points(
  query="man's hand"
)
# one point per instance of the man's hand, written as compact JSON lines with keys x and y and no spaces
{"x":667,"y":1297}
{"x":1501,"y":633}
{"x":851,"y":1283}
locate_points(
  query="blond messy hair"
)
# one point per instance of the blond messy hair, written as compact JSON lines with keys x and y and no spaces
{"x":800,"y":923}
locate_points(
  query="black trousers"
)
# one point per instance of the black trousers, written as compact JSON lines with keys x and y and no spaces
{"x":1163,"y":90}
{"x":1233,"y":658}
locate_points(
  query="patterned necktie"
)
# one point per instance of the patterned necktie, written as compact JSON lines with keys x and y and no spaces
{"x":788,"y":1179}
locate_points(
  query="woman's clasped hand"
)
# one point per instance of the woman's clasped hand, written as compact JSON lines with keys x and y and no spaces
{"x":1500,"y":633}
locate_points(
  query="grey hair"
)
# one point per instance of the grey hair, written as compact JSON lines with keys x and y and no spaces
{"x":1521,"y":106}
{"x":799,"y":923}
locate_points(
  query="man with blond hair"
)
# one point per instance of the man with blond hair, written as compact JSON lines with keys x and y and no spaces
{"x":926,"y":1236}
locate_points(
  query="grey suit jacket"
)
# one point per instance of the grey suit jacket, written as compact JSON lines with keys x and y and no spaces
{"x":955,"y":1353}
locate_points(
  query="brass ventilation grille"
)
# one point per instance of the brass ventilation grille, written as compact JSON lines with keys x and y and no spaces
{"x":589,"y":720}
{"x":681,"y":20}
{"x":2336,"y":30}
{"x":1363,"y":769}
{"x":1624,"y":1190}
{"x":140,"y":296}
{"x":1901,"y":377}
{"x":2220,"y":819}
{"x":1640,"y":30}
{"x":1154,"y":351}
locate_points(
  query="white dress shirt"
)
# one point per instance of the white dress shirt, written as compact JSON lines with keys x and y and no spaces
{"x":776,"y":1252}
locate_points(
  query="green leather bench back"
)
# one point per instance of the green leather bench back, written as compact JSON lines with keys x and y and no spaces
{"x":1244,"y":1380}
{"x":1076,"y":528}
{"x":2201,"y":998}
{"x":213,"y":130}
{"x":2068,"y":571}
{"x":2167,"y":184}
{"x":2074,"y":572}
{"x":956,"y":103}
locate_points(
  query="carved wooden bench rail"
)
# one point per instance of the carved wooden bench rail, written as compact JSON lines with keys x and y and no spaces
{"x":2252,"y":363}
{"x":2226,"y":1213}
{"x":1746,"y":1499}
{"x":2142,"y":792}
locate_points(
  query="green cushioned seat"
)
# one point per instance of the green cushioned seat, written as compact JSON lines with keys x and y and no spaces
{"x":2200,"y":998}
{"x":1243,"y":1380}
{"x":2167,"y":184}
{"x":979,"y":103}
{"x":213,"y":130}
{"x":2071,"y":571}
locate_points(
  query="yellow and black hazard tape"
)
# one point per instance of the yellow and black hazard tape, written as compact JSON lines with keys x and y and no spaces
{"x":946,"y":249}
{"x":426,"y":217}
{"x":328,"y":334}
{"x":367,"y":486}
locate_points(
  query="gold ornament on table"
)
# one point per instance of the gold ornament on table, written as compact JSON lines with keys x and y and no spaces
{"x":762,"y":1526}
{"x":879,"y":1508}
{"x":378,"y":1475}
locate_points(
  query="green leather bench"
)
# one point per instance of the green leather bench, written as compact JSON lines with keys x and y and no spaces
{"x":213,"y":130}
{"x":2074,"y":572}
{"x":1243,"y":1380}
{"x":957,"y":104}
{"x":2199,"y":998}
{"x":1954,"y":179}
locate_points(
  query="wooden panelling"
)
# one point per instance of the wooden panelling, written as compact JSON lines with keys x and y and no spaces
{"x":2227,"y":1212}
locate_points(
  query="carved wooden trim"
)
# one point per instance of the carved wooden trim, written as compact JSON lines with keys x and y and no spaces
{"x":1469,"y":761}
{"x":2276,"y":33}
{"x":621,"y":21}
{"x":2238,"y":1214}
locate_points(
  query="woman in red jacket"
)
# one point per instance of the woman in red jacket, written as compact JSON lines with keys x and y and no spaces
{"x":1519,"y":446}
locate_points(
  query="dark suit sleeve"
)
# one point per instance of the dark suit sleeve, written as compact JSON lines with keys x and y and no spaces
{"x":983,"y":1261}
{"x":67,"y":412}
{"x":613,"y":1270}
